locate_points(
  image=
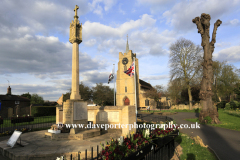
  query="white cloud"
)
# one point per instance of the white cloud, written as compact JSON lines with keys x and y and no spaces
{"x":109,"y":4}
{"x":182,"y":13}
{"x":223,"y":44}
{"x":234,"y":22}
{"x":90,"y":42}
{"x":101,"y":31}
{"x":231,"y":54}
{"x":96,"y":7}
{"x":39,"y":16}
{"x":159,"y":77}
{"x":157,"y":50}
{"x":41,"y":56}
{"x":98,"y":10}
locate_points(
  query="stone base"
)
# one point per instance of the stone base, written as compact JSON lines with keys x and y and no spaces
{"x":78,"y":136}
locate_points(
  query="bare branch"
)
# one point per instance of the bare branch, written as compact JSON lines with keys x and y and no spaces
{"x":197,"y":21}
{"x":216,"y":25}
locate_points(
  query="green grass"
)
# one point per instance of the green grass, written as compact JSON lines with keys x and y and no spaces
{"x":37,"y":120}
{"x":233,"y":113}
{"x":227,"y":121}
{"x":191,"y":150}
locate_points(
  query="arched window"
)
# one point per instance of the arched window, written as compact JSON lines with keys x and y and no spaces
{"x":125,"y":89}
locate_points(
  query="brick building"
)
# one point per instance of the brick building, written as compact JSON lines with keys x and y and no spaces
{"x":12,"y":105}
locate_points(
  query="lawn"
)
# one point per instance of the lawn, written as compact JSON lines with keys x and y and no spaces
{"x":37,"y":120}
{"x":191,"y":150}
{"x":227,"y":121}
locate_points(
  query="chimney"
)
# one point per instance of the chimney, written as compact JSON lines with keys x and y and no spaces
{"x":9,"y":91}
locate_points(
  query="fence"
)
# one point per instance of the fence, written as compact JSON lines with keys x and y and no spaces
{"x":155,"y":151}
{"x":26,"y":123}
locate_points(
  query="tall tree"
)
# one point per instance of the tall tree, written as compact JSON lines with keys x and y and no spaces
{"x":227,"y":81}
{"x":185,"y":59}
{"x":217,"y":68}
{"x":66,"y":96}
{"x":174,"y":90}
{"x":36,"y":99}
{"x":203,"y":25}
{"x":102,"y":95}
{"x":27,"y":95}
{"x":195,"y":89}
{"x":85,"y":92}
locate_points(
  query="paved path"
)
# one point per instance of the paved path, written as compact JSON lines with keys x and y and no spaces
{"x":36,"y":146}
{"x":224,"y":142}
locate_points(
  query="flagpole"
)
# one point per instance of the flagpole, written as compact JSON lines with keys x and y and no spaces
{"x":135,"y":87}
{"x":114,"y":83}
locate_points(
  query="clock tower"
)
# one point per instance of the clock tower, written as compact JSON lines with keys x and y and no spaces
{"x":125,"y":84}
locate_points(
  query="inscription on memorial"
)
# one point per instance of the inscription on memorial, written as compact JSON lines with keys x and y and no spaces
{"x":103,"y":116}
{"x":113,"y":116}
{"x":91,"y":116}
{"x":67,"y":112}
{"x":80,"y":111}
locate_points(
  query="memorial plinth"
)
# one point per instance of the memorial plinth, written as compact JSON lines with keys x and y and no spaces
{"x":75,"y":113}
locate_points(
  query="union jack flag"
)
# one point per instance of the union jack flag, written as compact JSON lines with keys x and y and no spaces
{"x":130,"y":70}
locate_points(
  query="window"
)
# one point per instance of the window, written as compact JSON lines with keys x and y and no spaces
{"x":125,"y":89}
{"x":146,"y":102}
{"x":17,"y":102}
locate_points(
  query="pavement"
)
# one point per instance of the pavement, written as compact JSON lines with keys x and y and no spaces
{"x":39,"y":147}
{"x":224,"y":142}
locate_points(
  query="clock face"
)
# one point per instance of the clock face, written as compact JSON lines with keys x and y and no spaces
{"x":125,"y":61}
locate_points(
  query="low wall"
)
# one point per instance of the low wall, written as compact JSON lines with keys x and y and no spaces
{"x":182,"y":106}
{"x":113,"y":115}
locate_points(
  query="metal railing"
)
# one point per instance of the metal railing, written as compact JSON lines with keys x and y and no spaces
{"x":26,"y":123}
{"x":162,"y":152}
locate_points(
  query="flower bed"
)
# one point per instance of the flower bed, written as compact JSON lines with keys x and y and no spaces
{"x":162,"y":137}
{"x":22,"y":119}
{"x":137,"y":146}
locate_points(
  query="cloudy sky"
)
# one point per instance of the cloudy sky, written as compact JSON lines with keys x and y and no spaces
{"x":35,"y":52}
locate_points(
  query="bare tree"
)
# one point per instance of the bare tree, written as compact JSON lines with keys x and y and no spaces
{"x":208,"y":109}
{"x":174,"y":90}
{"x":185,"y":60}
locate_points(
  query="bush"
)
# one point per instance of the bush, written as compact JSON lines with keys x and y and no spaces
{"x":197,"y":110}
{"x":221,"y":104}
{"x":43,"y":111}
{"x":234,"y":104}
{"x":208,"y":119}
{"x":227,"y":106}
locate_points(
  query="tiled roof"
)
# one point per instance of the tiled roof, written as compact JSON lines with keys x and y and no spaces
{"x":13,"y":98}
{"x":145,"y":84}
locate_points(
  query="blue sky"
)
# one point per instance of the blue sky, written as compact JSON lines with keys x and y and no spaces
{"x":35,"y":52}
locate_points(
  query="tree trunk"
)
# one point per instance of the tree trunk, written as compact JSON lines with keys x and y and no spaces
{"x":205,"y":95}
{"x":190,"y":97}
